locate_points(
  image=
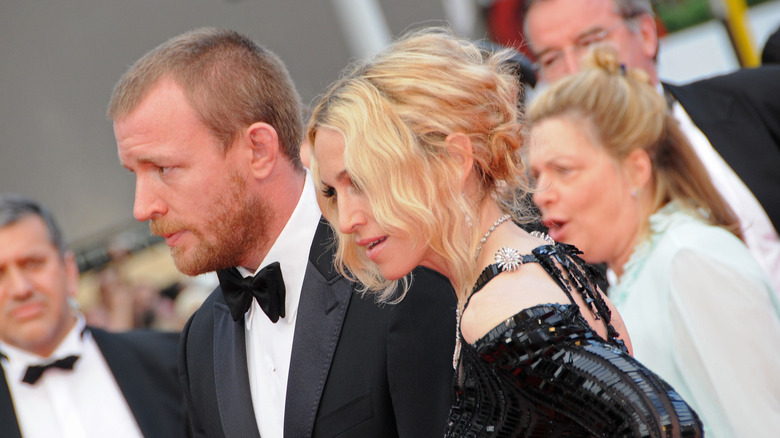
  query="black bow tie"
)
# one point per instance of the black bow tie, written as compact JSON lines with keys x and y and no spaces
{"x":34,"y":372}
{"x":267,"y":287}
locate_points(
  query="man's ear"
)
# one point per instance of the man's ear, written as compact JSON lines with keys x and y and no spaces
{"x":263,"y":142}
{"x":459,"y":145}
{"x":71,"y":274}
{"x":648,"y":32}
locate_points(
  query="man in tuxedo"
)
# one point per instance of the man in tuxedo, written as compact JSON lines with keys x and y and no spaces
{"x":210,"y":124}
{"x":732,"y":121}
{"x":59,"y":377}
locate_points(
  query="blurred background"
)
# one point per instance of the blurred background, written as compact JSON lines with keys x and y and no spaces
{"x":60,"y":59}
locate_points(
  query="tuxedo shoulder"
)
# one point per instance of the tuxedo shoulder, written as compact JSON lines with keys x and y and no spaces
{"x":745,"y":78}
{"x":424,"y":278}
{"x":214,"y":296}
{"x":427,"y":284}
{"x":430,"y":297}
{"x":140,"y":341}
{"x":204,"y":313}
{"x":137,"y":337}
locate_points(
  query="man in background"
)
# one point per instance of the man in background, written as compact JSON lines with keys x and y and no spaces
{"x":60,"y":377}
{"x":733,"y":121}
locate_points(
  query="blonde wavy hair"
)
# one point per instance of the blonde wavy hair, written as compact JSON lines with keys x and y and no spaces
{"x":395,"y":112}
{"x":626,"y":112}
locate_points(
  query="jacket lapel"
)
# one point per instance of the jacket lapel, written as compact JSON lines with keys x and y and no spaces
{"x":9,"y":425}
{"x":124,"y":365}
{"x":231,"y":376}
{"x":325,"y":297}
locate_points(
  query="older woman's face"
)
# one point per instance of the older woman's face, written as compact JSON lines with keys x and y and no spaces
{"x":395,"y":255}
{"x":585,"y":197}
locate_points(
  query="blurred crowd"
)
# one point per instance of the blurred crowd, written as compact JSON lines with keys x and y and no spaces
{"x":141,"y":290}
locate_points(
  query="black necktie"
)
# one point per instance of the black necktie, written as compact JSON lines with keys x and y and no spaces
{"x":34,"y":372}
{"x":267,"y":287}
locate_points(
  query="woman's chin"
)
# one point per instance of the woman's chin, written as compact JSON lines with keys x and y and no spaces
{"x":394,"y":274}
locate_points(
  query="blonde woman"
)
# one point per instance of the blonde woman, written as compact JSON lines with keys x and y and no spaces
{"x":618,"y":179}
{"x":416,"y":154}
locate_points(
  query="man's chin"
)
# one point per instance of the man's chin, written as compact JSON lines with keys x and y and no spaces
{"x":186,"y":267}
{"x":194,"y":265}
{"x":184,"y":264}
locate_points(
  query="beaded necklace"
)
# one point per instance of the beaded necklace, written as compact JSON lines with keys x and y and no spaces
{"x":456,"y":353}
{"x":492,"y":228}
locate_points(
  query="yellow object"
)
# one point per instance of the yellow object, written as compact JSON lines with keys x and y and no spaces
{"x":735,"y":18}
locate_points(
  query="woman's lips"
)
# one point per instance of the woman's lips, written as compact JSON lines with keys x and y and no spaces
{"x":377,"y":242}
{"x":555,"y":228}
{"x":373,"y":245}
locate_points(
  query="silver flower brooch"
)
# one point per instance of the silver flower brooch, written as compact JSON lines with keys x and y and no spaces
{"x":508,"y":259}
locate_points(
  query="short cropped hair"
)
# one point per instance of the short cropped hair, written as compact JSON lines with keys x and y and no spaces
{"x":395,"y":112}
{"x":15,"y":207}
{"x":230,"y":81}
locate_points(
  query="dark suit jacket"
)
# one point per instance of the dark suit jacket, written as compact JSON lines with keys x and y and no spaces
{"x":740,"y":115}
{"x":144,"y":365}
{"x":357,"y":369}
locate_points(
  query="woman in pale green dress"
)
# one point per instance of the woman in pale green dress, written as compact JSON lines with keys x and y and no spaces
{"x":618,"y":179}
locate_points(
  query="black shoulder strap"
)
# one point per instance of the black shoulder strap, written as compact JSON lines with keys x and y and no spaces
{"x":491,"y":271}
{"x":561,"y":261}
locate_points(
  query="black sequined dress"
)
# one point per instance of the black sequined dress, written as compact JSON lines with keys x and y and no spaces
{"x":545,"y":373}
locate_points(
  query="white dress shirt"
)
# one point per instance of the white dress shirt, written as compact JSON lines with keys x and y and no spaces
{"x":268,"y":344}
{"x":83,"y":403}
{"x":760,"y":236}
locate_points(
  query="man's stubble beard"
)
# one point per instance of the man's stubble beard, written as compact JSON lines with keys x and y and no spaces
{"x":237,"y":228}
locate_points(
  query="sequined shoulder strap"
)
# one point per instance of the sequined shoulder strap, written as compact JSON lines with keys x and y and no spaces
{"x":574,"y":275}
{"x":496,"y":268}
{"x":507,"y":259}
{"x":564,"y":266}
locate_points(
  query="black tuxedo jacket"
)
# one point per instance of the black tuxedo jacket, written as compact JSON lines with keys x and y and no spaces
{"x":740,"y":115}
{"x":357,"y":369}
{"x":144,"y":365}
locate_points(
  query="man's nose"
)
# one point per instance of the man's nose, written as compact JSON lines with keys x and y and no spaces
{"x":147,"y":204}
{"x":15,"y":281}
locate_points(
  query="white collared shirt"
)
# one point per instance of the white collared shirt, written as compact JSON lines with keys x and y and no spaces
{"x":760,"y":235}
{"x":269,"y":345}
{"x":85,"y":402}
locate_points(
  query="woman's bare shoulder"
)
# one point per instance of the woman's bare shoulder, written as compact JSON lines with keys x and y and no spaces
{"x":507,"y":294}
